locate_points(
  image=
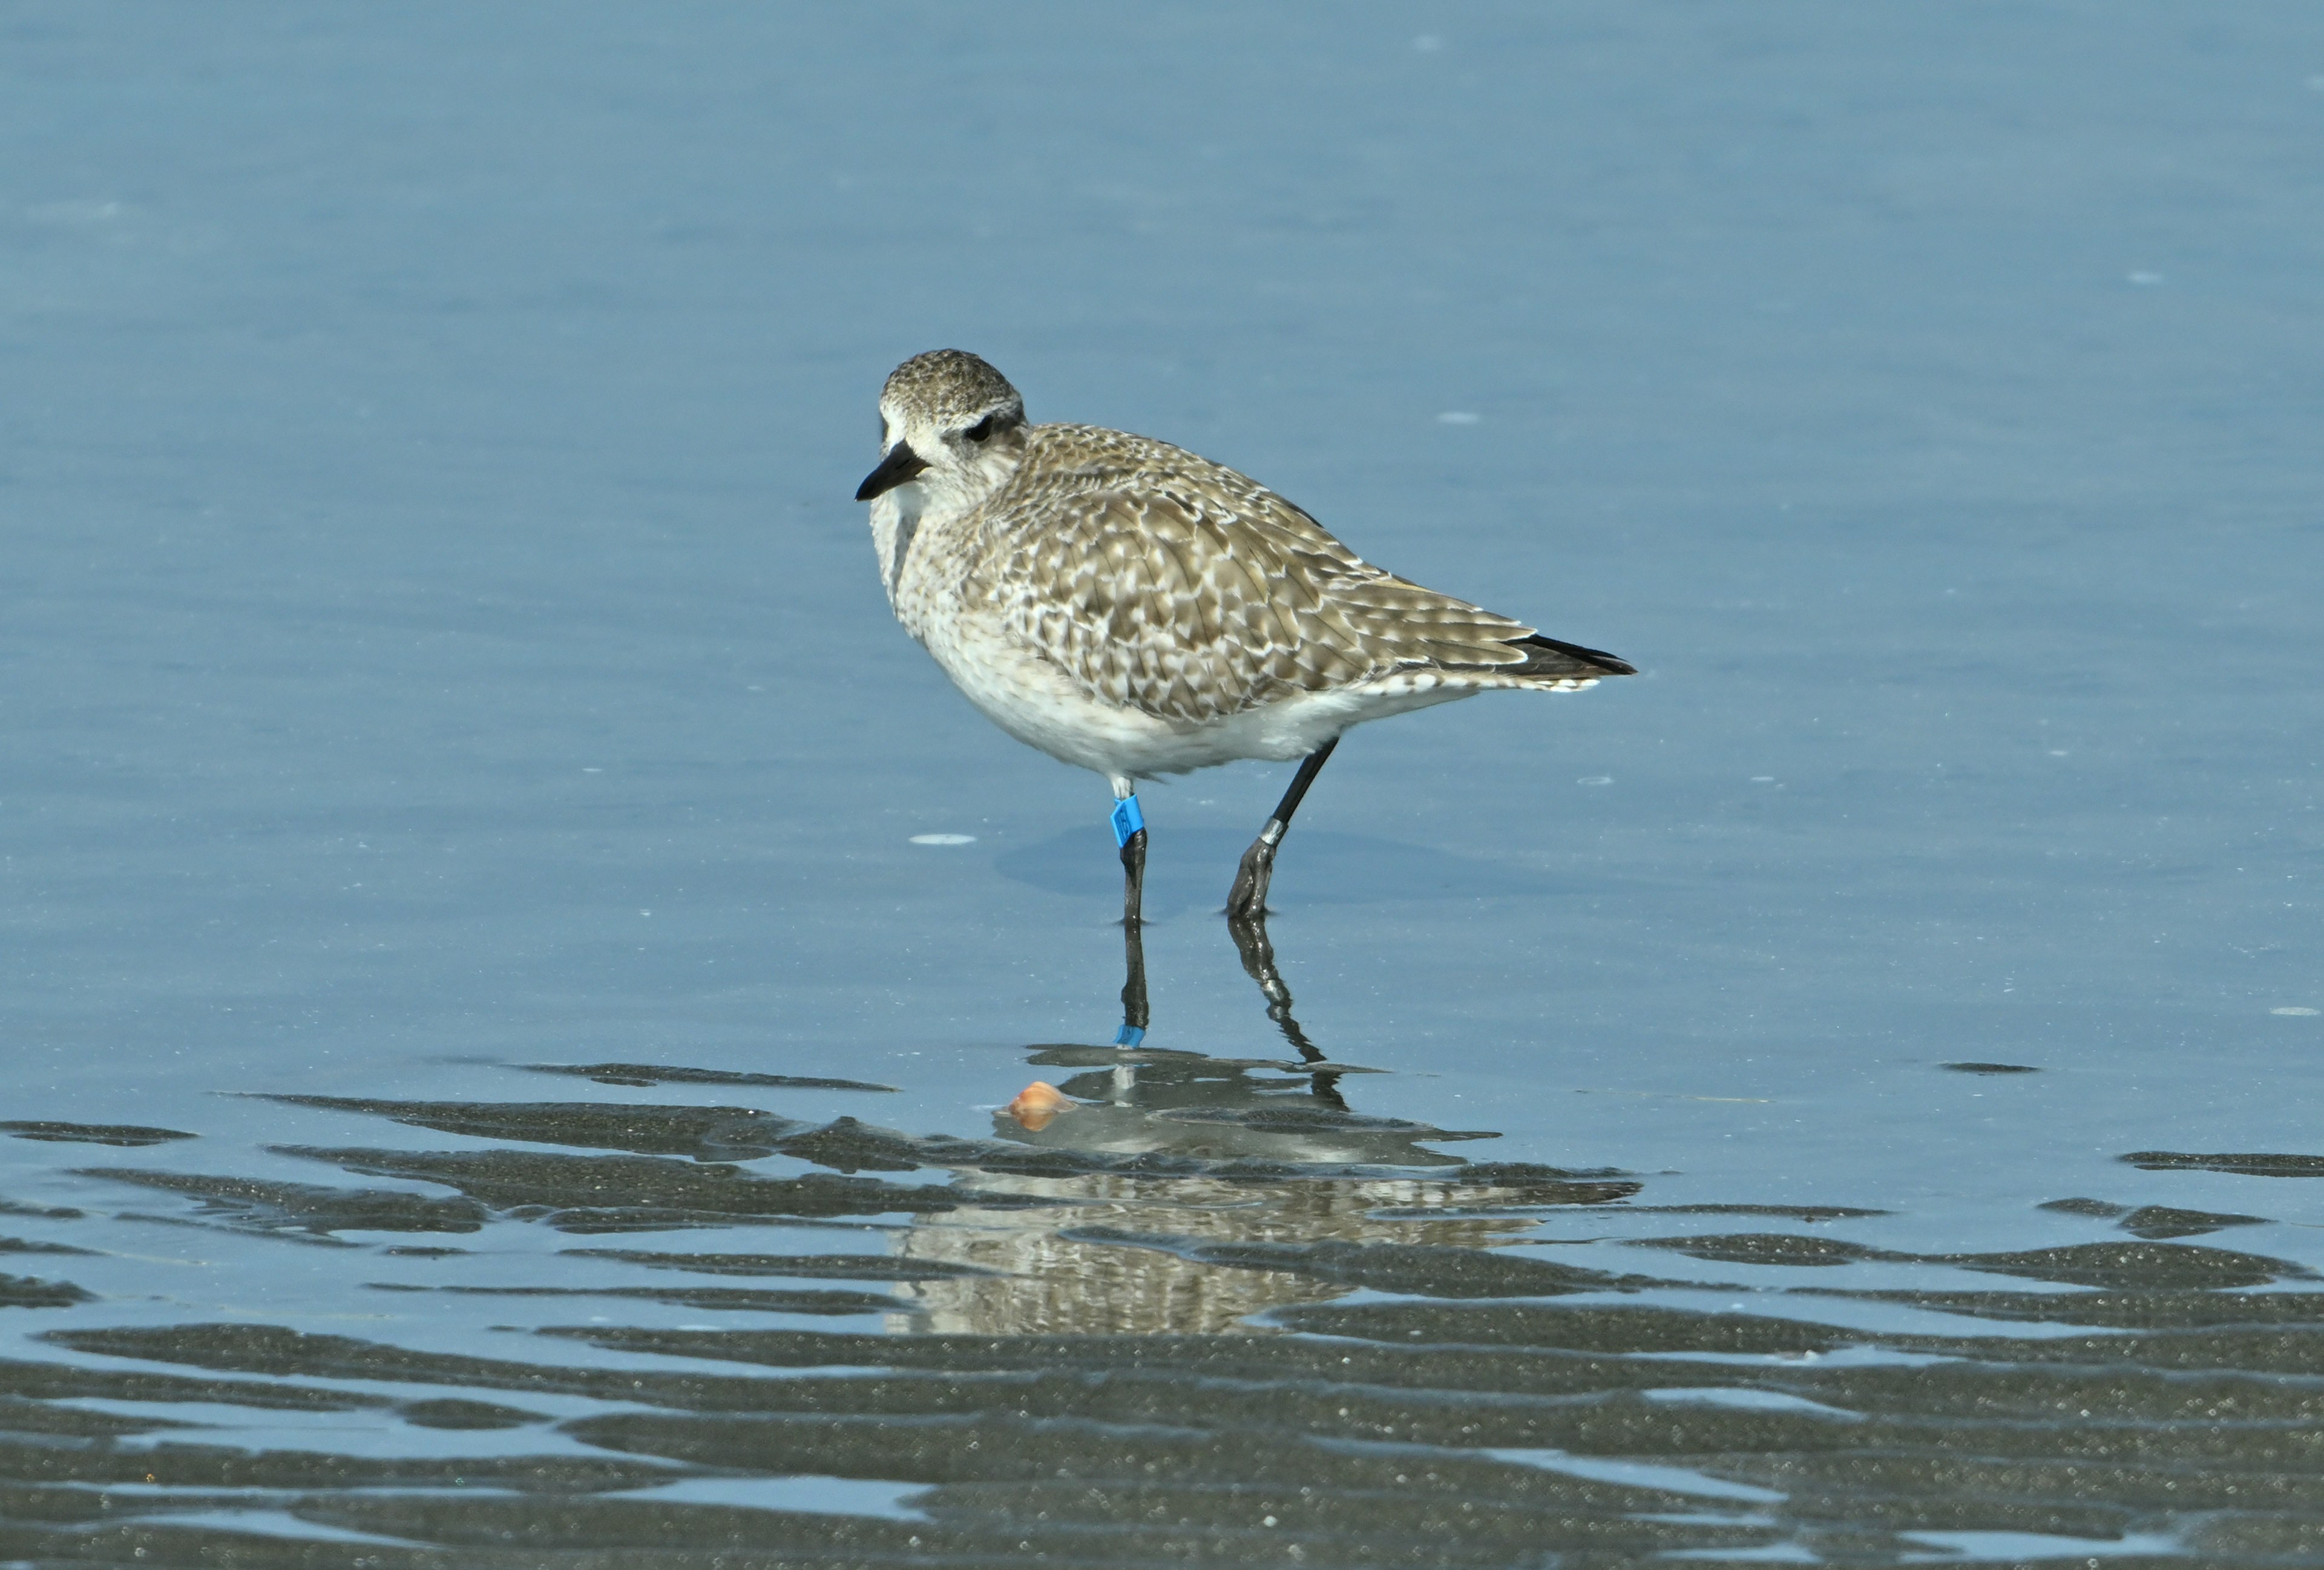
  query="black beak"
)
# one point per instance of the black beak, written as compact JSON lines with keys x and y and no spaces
{"x":901,"y":464}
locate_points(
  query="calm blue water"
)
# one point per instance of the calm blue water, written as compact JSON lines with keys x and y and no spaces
{"x":437,"y":635}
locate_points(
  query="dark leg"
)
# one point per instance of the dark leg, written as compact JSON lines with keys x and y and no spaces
{"x":1248,"y":899}
{"x":1129,"y":831}
{"x":1133,"y":878}
{"x":1134,"y":1015}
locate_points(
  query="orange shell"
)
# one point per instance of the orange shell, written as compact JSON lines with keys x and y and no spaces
{"x":1037,"y":1104}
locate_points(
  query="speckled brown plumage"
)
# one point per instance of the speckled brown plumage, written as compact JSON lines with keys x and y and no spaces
{"x":1129,"y":606}
{"x":1166,"y":582}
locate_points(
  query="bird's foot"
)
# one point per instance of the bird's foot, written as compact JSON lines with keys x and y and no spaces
{"x":1247,"y":901}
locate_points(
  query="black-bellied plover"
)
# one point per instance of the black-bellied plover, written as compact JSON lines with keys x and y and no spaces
{"x":1133,"y":609}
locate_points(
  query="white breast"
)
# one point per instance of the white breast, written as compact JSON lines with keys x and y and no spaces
{"x":924,"y":556}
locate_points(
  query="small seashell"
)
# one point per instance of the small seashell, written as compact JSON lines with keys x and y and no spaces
{"x":1038,"y":1104}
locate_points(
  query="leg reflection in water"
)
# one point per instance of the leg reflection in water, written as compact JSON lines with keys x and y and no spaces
{"x":1252,"y":942}
{"x":1171,"y":1191}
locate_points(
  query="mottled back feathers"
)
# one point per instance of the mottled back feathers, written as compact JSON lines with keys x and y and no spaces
{"x":1163,"y":582}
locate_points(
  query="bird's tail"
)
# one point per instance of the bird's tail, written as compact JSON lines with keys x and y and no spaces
{"x":1553,"y":661}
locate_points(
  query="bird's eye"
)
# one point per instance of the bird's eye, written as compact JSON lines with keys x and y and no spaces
{"x":980,"y":431}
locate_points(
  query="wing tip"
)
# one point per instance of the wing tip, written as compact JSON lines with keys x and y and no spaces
{"x":1595,"y":661}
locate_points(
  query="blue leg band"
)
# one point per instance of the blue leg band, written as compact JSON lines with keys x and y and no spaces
{"x":1129,"y":1036}
{"x":1127,"y":820}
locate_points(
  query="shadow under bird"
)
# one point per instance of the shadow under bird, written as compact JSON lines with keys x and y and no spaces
{"x":1132,"y":608}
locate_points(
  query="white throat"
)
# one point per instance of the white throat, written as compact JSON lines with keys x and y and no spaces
{"x":895,"y":519}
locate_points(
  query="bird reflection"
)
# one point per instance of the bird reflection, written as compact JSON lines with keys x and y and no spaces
{"x":1146,"y":1084}
{"x":1211,"y":1150}
{"x":1249,"y":935}
{"x":1258,"y":954}
{"x":1160,"y":1103}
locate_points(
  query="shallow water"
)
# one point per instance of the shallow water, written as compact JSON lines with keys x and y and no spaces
{"x":1211,"y":1311}
{"x":492,"y":1077}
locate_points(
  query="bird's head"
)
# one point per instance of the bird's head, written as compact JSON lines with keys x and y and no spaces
{"x":950,"y":424}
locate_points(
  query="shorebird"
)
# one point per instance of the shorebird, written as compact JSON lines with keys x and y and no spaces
{"x":1133,"y":609}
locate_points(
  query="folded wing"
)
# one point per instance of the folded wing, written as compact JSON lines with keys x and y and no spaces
{"x":1159,"y":580}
